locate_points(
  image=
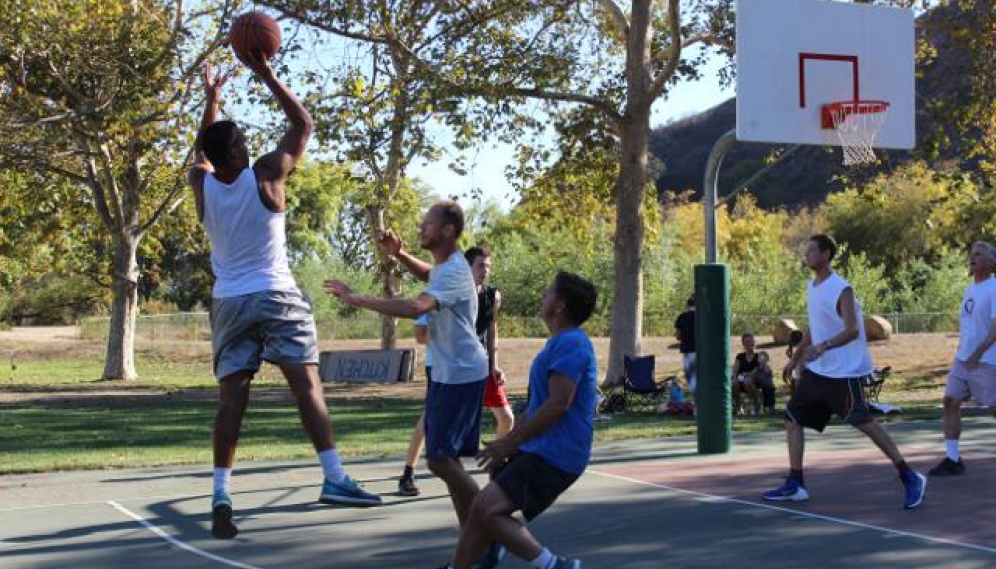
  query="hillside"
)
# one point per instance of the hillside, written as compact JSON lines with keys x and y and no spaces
{"x":806,"y":177}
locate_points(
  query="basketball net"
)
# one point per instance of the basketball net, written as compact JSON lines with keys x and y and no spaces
{"x":857,"y":124}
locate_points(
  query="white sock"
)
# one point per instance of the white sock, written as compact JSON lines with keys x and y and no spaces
{"x":951,"y":445}
{"x":546,"y":560}
{"x":222,"y":479}
{"x":331,"y":465}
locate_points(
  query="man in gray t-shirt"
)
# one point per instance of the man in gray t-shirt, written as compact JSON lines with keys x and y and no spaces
{"x":459,"y":363}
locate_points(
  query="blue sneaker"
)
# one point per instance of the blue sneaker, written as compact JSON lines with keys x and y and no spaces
{"x":916,"y":487}
{"x":564,"y":563}
{"x":791,"y":491}
{"x":347,"y":492}
{"x":491,"y":557}
{"x":221,"y":516}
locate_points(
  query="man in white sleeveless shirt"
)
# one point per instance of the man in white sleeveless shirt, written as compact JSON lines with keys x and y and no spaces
{"x":257,"y":311}
{"x":835,"y":356}
{"x":973,"y":371}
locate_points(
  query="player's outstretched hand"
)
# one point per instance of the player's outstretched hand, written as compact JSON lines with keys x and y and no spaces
{"x":390,"y":241}
{"x":496,"y":453}
{"x":214,"y":81}
{"x":339,"y":290}
{"x":258,"y":63}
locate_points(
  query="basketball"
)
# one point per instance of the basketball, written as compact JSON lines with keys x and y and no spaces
{"x":254,"y":32}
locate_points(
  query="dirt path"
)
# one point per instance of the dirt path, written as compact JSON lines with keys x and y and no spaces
{"x":40,"y":334}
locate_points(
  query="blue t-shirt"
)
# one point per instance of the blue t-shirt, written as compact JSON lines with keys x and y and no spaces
{"x":567,"y":444}
{"x":424,"y":321}
{"x":456,"y":354}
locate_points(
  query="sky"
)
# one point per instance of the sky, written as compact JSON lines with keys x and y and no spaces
{"x":486,"y":163}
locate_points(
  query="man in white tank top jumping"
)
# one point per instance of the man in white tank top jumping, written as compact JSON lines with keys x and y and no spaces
{"x":257,"y":311}
{"x":834,"y":355}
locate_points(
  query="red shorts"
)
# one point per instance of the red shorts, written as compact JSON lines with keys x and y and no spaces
{"x":494,"y":394}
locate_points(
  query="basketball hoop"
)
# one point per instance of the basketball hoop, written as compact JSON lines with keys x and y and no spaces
{"x":857,"y":124}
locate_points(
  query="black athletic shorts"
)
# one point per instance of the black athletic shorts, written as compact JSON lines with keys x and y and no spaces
{"x":532,"y":484}
{"x":817,"y":398}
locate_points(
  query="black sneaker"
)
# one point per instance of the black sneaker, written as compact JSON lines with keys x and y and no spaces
{"x":407,"y":487}
{"x":221,"y":516}
{"x":948,"y":467}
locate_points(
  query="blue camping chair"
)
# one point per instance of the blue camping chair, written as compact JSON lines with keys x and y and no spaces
{"x":640,"y":390}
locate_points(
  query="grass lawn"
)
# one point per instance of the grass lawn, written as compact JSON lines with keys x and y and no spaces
{"x":55,"y":413}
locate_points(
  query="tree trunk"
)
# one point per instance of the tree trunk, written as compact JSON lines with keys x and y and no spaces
{"x":627,"y":304}
{"x":119,"y":362}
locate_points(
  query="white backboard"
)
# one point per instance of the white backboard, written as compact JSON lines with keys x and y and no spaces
{"x":794,"y":56}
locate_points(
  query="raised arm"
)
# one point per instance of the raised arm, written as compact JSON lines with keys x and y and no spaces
{"x":395,"y":248}
{"x":274,"y":167}
{"x":213,"y":82}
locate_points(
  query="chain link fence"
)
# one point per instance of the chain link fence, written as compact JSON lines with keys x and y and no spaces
{"x":196,"y":326}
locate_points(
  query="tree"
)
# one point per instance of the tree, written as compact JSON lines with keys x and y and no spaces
{"x":98,"y":92}
{"x":380,"y":112}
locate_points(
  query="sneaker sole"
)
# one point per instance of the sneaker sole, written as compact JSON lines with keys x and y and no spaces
{"x":346,"y":500}
{"x":408,"y":493}
{"x":221,"y":522}
{"x":793,"y":498}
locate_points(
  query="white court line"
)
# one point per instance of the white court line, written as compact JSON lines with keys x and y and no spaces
{"x":91,"y":502}
{"x":890,"y":532}
{"x":176,"y":542}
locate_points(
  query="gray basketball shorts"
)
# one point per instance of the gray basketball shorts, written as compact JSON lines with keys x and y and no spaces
{"x":275,"y":326}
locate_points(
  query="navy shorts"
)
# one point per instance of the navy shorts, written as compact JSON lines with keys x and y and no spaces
{"x":453,"y":419}
{"x":532,"y":484}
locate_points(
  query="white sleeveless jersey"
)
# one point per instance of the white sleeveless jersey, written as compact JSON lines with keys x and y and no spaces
{"x":248,"y":241}
{"x":850,"y":360}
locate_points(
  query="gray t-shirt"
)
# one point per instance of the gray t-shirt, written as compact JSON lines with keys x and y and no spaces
{"x":457,"y":355}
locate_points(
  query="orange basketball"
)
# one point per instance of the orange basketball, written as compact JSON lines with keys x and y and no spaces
{"x":254,"y":32}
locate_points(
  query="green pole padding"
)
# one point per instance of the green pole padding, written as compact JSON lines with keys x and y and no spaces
{"x":714,"y":409}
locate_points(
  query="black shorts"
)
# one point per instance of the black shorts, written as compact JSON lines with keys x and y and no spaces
{"x":817,"y":398}
{"x":532,"y":484}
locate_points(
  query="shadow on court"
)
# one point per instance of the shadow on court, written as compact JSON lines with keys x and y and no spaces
{"x":643,"y":504}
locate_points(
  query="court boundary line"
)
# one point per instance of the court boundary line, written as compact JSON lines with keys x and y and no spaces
{"x":102,"y":502}
{"x":821,"y":517}
{"x":176,"y":542}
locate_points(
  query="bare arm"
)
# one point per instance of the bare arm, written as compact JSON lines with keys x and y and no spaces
{"x":492,"y":337}
{"x":421,"y":334}
{"x":213,"y":82}
{"x":274,"y":167}
{"x":986,"y":343}
{"x":395,"y":248}
{"x":398,"y":307}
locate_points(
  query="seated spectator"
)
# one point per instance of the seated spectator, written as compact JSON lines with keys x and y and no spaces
{"x":744,"y":367}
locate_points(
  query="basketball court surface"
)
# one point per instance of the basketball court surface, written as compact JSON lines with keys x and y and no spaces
{"x":642,"y":504}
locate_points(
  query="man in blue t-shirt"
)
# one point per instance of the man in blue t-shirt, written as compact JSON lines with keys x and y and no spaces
{"x":459,"y":364}
{"x":550,"y":447}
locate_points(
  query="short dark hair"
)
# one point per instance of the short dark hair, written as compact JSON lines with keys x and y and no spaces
{"x":826,"y":244}
{"x":578,"y":294}
{"x":452,"y":214}
{"x":746,"y":335}
{"x":220,"y":140}
{"x":476,"y":251}
{"x":690,"y":302}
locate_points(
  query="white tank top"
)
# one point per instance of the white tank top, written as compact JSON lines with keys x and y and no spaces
{"x":248,"y":241}
{"x":853,"y":358}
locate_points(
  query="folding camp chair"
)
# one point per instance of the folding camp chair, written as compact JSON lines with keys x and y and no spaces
{"x":640,"y":389}
{"x":872,"y":384}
